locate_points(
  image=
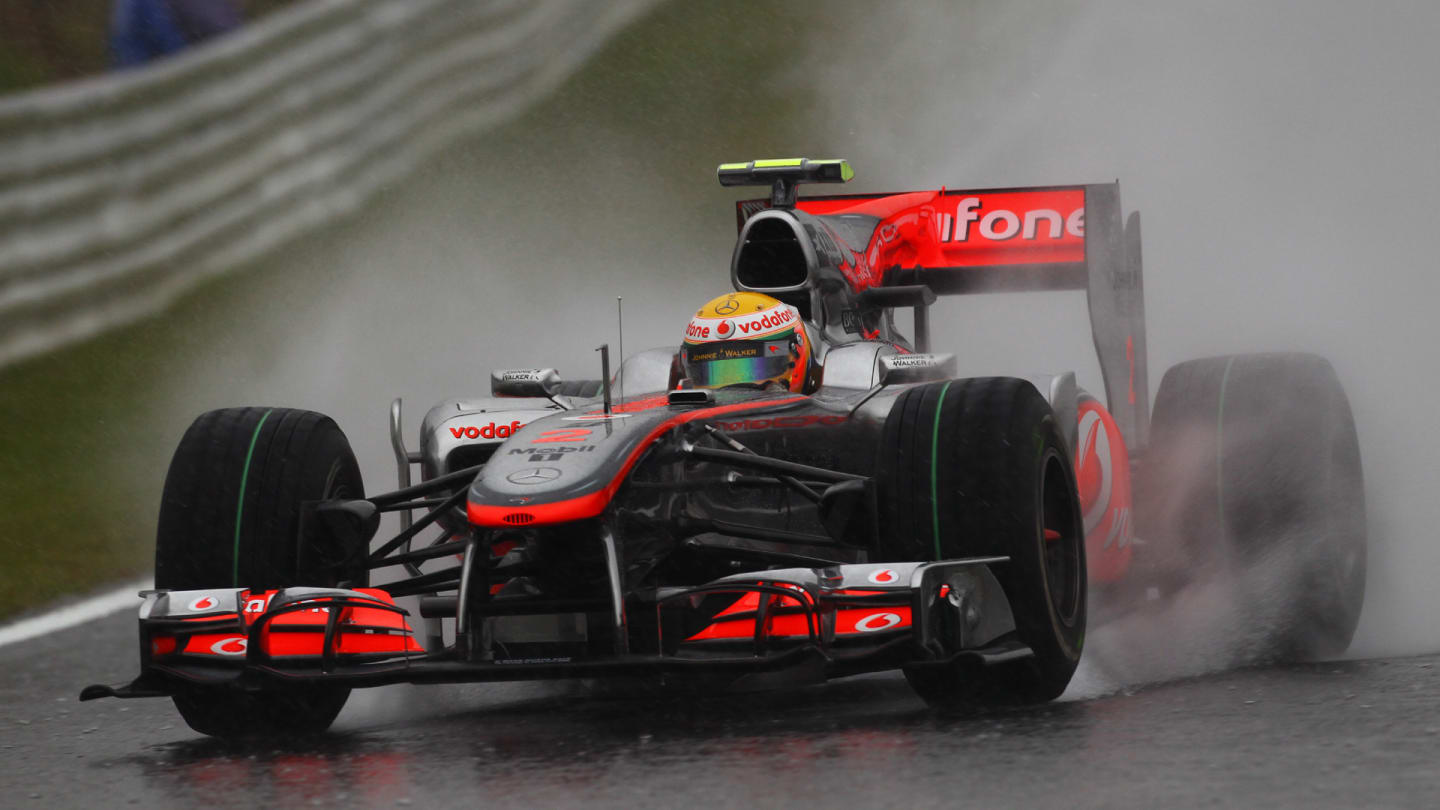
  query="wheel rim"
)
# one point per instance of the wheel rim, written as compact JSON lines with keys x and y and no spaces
{"x":1061,"y":538}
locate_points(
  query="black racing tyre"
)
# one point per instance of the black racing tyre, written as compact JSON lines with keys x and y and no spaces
{"x":1253,"y":473}
{"x":230,"y":518}
{"x":978,"y":467}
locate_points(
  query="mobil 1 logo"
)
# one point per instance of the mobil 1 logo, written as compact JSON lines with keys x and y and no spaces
{"x":552,"y":453}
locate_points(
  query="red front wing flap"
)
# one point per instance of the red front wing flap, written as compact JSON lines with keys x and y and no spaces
{"x":291,"y":625}
{"x":848,"y":611}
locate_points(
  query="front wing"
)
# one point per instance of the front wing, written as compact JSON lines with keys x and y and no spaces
{"x":798,"y":625}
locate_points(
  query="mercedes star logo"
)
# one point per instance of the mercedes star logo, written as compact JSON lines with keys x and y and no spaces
{"x":728,"y":307}
{"x":533,"y":475}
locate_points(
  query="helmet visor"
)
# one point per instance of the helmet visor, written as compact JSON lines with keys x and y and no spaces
{"x":735,"y":362}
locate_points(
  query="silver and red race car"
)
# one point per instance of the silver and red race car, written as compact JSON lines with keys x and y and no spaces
{"x":877,"y":514}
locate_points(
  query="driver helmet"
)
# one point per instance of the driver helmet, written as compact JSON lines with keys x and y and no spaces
{"x":746,"y":338}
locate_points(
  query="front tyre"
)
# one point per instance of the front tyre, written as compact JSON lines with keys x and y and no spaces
{"x":230,"y":518}
{"x":978,"y":467}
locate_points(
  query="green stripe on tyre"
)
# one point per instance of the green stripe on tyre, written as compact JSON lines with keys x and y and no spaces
{"x":935,"y":472}
{"x":240,"y":505}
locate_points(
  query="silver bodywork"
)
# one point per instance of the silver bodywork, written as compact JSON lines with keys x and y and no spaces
{"x":855,"y":365}
{"x":438,"y":438}
{"x":852,"y":366}
{"x":646,"y":372}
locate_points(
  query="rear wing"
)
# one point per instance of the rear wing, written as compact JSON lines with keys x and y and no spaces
{"x":961,"y":242}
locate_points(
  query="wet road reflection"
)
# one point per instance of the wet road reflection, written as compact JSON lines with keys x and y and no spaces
{"x":1359,"y":733}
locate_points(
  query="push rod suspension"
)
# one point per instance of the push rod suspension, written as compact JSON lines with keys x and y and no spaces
{"x":419,"y":526}
{"x":403,"y":506}
{"x":426,"y":487}
{"x":774,"y":465}
{"x":429,"y":553}
{"x":789,"y":481}
{"x":425,"y":583}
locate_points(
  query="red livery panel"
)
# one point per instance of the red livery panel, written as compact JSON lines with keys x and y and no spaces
{"x":299,"y":634}
{"x":969,"y":229}
{"x":1102,"y":475}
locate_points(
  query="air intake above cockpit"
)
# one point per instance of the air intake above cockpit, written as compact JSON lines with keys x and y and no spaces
{"x":773,"y":255}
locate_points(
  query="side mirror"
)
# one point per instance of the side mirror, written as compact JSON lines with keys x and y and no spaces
{"x":913,"y":368}
{"x":848,"y":510}
{"x":337,"y":537}
{"x":525,"y":382}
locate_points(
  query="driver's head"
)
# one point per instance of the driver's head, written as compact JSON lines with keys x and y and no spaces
{"x":746,"y":338}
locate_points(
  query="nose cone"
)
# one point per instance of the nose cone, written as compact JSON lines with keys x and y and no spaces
{"x":562,"y":467}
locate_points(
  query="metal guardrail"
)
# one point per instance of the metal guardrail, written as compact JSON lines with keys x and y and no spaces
{"x":119,"y":193}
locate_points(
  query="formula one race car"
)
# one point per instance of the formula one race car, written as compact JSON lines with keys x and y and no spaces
{"x":797,"y":492}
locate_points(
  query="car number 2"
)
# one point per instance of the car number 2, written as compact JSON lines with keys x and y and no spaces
{"x":562,"y":436}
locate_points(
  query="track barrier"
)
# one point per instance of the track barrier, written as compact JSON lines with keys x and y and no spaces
{"x":119,"y":193}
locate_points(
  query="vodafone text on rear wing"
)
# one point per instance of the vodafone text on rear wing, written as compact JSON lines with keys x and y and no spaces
{"x":826,"y":249}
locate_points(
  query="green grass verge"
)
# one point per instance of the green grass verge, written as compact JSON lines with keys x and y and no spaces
{"x":79,"y":479}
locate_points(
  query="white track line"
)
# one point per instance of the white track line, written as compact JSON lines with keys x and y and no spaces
{"x":71,"y":615}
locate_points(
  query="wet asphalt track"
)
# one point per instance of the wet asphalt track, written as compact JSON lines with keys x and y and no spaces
{"x":1346,"y":734}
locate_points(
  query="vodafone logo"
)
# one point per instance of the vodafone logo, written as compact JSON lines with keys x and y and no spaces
{"x":766,"y":321}
{"x":205,"y":603}
{"x":1002,"y":224}
{"x":876,"y":622}
{"x":490,"y":431}
{"x":756,"y":325}
{"x":993,"y":229}
{"x":884,"y":576}
{"x":233,"y":646}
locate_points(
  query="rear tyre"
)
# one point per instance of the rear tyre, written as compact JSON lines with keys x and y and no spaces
{"x":230,"y":518}
{"x":978,"y":467}
{"x":1253,"y":474}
